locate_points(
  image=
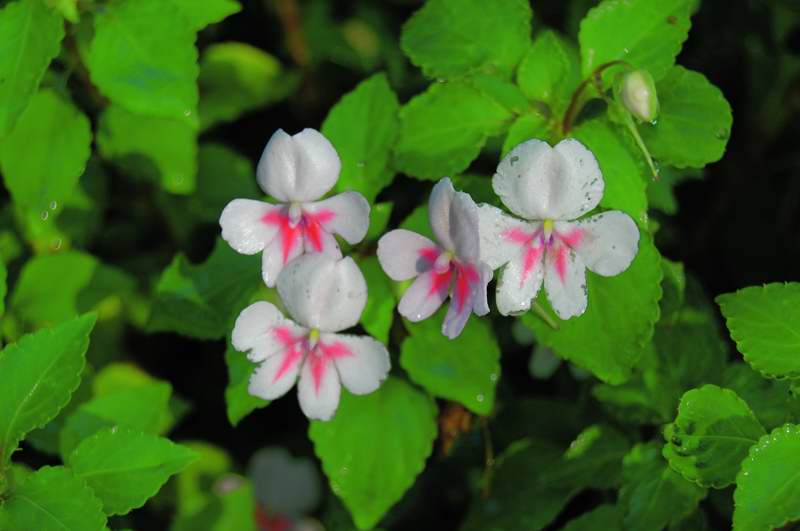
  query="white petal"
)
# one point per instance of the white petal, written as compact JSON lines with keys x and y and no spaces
{"x":439,"y":212}
{"x":286,"y":246}
{"x":538,"y":182}
{"x":501,"y":235}
{"x":322,"y":292}
{"x":364,"y":365}
{"x":481,"y":306}
{"x":468,"y":295}
{"x":424,"y":296}
{"x":318,"y":389}
{"x":321,"y":242}
{"x":254,"y":331}
{"x":404,"y":254}
{"x":276,"y":375}
{"x":345,"y":214}
{"x":609,"y":243}
{"x":520,"y":280}
{"x":298,"y":168}
{"x":565,"y":281}
{"x":242,"y":225}
{"x":464,"y":228}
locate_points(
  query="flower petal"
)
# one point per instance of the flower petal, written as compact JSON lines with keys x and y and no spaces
{"x":583,"y":183}
{"x":365,"y":364}
{"x":468,"y":289}
{"x":345,"y":214}
{"x":319,"y":388}
{"x":317,"y":240}
{"x":610,"y":242}
{"x":565,"y":280}
{"x":481,"y":306}
{"x":287,"y":246}
{"x":322,"y":292}
{"x":425,"y":295}
{"x":298,"y":168}
{"x":520,"y":280}
{"x":404,"y":254}
{"x":439,"y":212}
{"x":502,"y":236}
{"x":278,"y":373}
{"x":243,"y":226}
{"x":255,"y":331}
{"x":464,"y":228}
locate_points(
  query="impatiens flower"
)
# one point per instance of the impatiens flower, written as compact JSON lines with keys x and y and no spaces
{"x":323,"y":295}
{"x":451,"y":267}
{"x":296,"y":170}
{"x":549,"y":187}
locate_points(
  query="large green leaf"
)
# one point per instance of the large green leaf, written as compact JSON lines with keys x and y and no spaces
{"x":125,"y":467}
{"x":443,"y":129}
{"x":652,"y":494}
{"x":378,"y":313}
{"x":363,"y":127}
{"x":201,"y":14}
{"x":3,"y":287}
{"x":464,"y":369}
{"x":765,"y":323}
{"x":609,"y":338}
{"x":142,"y":56}
{"x":40,"y":373}
{"x":45,"y":154}
{"x":694,"y":121}
{"x":375,"y":446}
{"x":550,"y":71}
{"x":448,"y":38}
{"x":643,"y":33}
{"x":767,"y":492}
{"x":605,"y":517}
{"x":771,"y":400}
{"x":222,"y":175}
{"x":53,"y":499}
{"x":710,"y":436}
{"x":30,"y":37}
{"x":533,"y":124}
{"x":239,"y":402}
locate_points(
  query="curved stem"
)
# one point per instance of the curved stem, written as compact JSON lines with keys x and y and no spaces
{"x":542,"y":314}
{"x":575,"y":104}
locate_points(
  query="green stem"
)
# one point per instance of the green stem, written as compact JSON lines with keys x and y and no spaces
{"x":629,"y":123}
{"x":542,"y":314}
{"x":575,"y":103}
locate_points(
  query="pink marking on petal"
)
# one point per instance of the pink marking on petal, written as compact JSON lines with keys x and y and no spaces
{"x":294,"y":350}
{"x":429,"y":254}
{"x":561,"y":262}
{"x":517,"y":235}
{"x":573,"y":238}
{"x":440,"y":283}
{"x":313,"y":226}
{"x":466,"y":278}
{"x":319,"y":364}
{"x":335,"y":350}
{"x":529,"y":262}
{"x":289,"y":235}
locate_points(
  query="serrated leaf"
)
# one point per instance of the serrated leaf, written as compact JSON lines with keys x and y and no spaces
{"x":550,"y":71}
{"x":527,"y":126}
{"x":448,"y":38}
{"x":125,"y":467}
{"x":53,"y":499}
{"x":363,"y":127}
{"x":162,"y":150}
{"x":201,"y":300}
{"x":764,"y":321}
{"x":30,"y":37}
{"x":710,"y":436}
{"x":236,"y":78}
{"x":375,"y":446}
{"x":694,"y":121}
{"x":41,"y":372}
{"x":378,"y":313}
{"x":465,"y":369}
{"x":500,"y":90}
{"x":770,"y":400}
{"x":443,"y":129}
{"x":767,"y":494}
{"x":55,"y":287}
{"x":201,"y":14}
{"x":602,"y":517}
{"x":45,"y":154}
{"x":643,"y":33}
{"x":142,"y":56}
{"x":239,"y":402}
{"x":609,"y":338}
{"x":652,"y":494}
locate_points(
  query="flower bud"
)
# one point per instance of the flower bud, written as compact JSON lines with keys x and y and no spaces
{"x":638,"y":94}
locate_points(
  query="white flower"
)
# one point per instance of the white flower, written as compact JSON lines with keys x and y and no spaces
{"x":296,"y":170}
{"x":323,"y":295}
{"x":450,"y":268}
{"x":551,"y":186}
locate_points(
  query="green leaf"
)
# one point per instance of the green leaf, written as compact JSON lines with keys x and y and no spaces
{"x":608,"y":339}
{"x":674,"y":287}
{"x":230,"y":508}
{"x":602,"y":517}
{"x":379,"y":216}
{"x":54,"y":287}
{"x":525,"y":127}
{"x":30,"y":37}
{"x":192,"y":484}
{"x":443,"y":129}
{"x":500,"y":90}
{"x":710,"y":436}
{"x":162,"y":150}
{"x":378,"y":313}
{"x":41,"y":372}
{"x":652,"y":494}
{"x":771,"y":400}
{"x":661,"y":191}
{"x":375,"y":446}
{"x":448,"y":38}
{"x":239,"y":402}
{"x":3,"y":287}
{"x":363,"y":127}
{"x":465,"y":369}
{"x":236,"y":78}
{"x":201,"y":14}
{"x":767,"y":494}
{"x":694,"y":121}
{"x":125,"y":467}
{"x":66,"y":8}
{"x":53,"y":499}
{"x":643,"y":33}
{"x":142,"y":56}
{"x":765,"y":323}
{"x":45,"y":154}
{"x":202,"y":300}
{"x":550,"y":71}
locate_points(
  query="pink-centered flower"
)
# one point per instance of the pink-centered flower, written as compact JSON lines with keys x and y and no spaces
{"x":550,"y":187}
{"x":323,"y":295}
{"x":451,"y":267}
{"x":296,"y":170}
